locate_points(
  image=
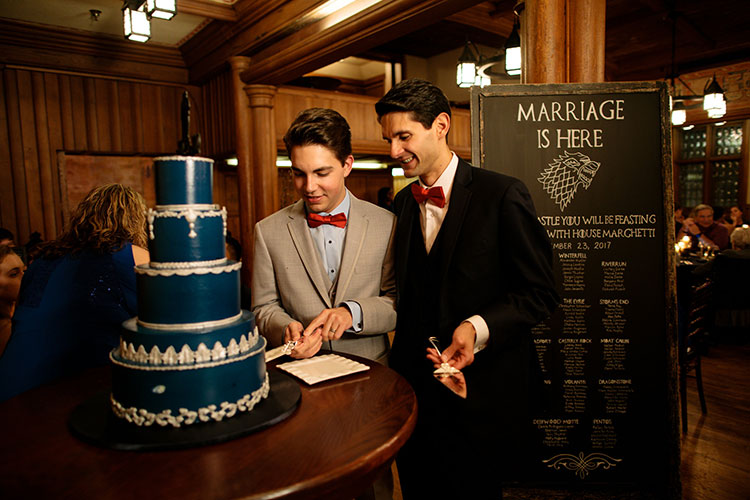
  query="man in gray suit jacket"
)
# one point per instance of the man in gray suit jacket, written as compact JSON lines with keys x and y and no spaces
{"x":323,"y":267}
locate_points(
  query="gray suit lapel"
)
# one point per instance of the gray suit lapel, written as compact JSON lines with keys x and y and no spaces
{"x":303,"y":242}
{"x":356,"y":229}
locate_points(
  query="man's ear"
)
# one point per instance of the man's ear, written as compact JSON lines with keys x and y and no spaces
{"x":442,"y":124}
{"x":348,"y":165}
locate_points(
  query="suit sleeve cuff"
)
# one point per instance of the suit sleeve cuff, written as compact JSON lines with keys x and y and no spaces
{"x":356,"y":310}
{"x":483,"y":332}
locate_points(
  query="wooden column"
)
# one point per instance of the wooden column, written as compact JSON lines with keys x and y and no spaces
{"x":586,"y":40}
{"x":562,"y":41}
{"x":263,"y":139}
{"x":243,"y":131}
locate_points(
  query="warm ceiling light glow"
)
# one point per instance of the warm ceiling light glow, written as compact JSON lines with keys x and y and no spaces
{"x":162,"y":9}
{"x":136,"y":25}
{"x":679,"y":113}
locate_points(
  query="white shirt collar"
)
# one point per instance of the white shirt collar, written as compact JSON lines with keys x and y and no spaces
{"x":445,"y":180}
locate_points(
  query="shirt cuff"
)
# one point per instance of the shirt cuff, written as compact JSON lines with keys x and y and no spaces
{"x":483,"y":332}
{"x":356,"y":310}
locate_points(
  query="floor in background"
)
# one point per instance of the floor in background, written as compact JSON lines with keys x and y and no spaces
{"x":716,"y":449}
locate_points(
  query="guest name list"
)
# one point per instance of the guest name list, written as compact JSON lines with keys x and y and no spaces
{"x":593,"y":166}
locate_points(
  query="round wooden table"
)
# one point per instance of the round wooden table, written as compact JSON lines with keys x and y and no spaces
{"x":343,"y":434}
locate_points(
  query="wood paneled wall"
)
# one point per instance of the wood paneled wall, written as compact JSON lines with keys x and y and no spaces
{"x":43,"y":112}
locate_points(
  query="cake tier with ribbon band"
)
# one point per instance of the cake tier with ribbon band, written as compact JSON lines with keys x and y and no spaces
{"x":186,"y":235}
{"x":180,"y":395}
{"x":141,"y":344}
{"x":201,"y":297}
{"x":183,"y":180}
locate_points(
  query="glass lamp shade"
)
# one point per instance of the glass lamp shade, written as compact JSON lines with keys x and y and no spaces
{"x":718,"y":110}
{"x":466,"y":74}
{"x":162,"y":9}
{"x":513,"y":61}
{"x":136,"y":25}
{"x":679,"y":113}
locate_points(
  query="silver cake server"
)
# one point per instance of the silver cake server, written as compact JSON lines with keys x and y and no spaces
{"x":282,"y":350}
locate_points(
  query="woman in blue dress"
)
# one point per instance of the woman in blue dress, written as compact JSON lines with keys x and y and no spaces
{"x":76,"y":294}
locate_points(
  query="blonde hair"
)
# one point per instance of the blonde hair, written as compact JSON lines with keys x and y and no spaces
{"x":107,"y":218}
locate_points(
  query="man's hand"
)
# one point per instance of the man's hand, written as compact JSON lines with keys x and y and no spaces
{"x":461,"y":351}
{"x":307,"y":346}
{"x":331,"y":322}
{"x":293,"y":331}
{"x":690,"y":227}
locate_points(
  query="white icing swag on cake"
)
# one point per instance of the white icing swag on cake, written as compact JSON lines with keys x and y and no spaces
{"x":225,"y":410}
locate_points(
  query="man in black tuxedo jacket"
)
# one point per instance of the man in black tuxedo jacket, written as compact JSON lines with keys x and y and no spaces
{"x":473,"y":268}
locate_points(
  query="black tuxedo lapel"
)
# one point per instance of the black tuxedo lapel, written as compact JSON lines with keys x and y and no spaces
{"x":406,"y":218}
{"x":454,"y":219}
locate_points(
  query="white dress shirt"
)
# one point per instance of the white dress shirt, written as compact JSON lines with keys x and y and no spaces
{"x":431,"y":220}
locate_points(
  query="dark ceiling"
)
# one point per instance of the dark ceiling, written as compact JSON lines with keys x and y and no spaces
{"x":708,"y":33}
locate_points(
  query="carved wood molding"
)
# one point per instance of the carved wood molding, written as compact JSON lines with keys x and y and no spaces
{"x":209,"y":9}
{"x":29,"y":44}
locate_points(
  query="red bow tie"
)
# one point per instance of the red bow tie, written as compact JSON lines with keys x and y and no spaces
{"x":315,"y":220}
{"x":434,"y":194}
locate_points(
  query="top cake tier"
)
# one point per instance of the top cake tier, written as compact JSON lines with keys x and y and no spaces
{"x":184,"y":180}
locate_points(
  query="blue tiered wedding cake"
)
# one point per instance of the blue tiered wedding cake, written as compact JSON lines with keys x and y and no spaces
{"x":192,"y":355}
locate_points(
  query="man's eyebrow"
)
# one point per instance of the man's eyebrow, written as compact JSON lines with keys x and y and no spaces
{"x":316,"y":171}
{"x":397,"y":133}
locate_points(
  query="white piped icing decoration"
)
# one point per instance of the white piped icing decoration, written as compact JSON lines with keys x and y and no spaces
{"x":184,"y":158}
{"x":142,"y":417}
{"x":188,"y":265}
{"x":190,"y":213}
{"x":150,"y":271}
{"x":187,"y":356}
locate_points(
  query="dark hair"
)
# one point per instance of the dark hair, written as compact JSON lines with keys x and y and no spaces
{"x":5,"y":234}
{"x":423,"y":99}
{"x":321,"y":126}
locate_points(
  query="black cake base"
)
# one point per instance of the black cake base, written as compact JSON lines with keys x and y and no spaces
{"x":93,"y":421}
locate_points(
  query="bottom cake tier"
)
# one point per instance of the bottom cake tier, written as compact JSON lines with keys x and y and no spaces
{"x":182,"y":378}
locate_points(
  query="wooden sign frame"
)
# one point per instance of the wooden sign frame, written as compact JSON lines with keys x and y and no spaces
{"x":597,"y":161}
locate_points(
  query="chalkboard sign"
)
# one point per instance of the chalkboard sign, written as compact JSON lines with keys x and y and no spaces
{"x":596,"y":160}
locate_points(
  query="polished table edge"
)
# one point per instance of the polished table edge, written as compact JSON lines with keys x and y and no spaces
{"x":59,"y":398}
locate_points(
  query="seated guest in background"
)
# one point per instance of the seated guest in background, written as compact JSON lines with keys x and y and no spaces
{"x":6,"y":237}
{"x":679,"y":217}
{"x":76,"y":294}
{"x":735,"y":213}
{"x":323,"y":267}
{"x":11,"y":272}
{"x":31,"y":248}
{"x":702,"y":228}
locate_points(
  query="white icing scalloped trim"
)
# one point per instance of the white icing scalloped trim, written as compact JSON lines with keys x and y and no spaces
{"x":178,"y":158}
{"x":187,"y":265}
{"x":142,"y":417}
{"x":187,"y":356}
{"x":194,"y":366}
{"x":147,"y":270}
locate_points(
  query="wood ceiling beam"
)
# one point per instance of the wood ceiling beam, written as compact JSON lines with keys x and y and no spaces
{"x":494,"y":17}
{"x":321,"y":43}
{"x":208,"y":9}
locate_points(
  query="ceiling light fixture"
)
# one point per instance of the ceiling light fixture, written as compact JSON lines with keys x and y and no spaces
{"x":137,"y":15}
{"x":162,"y":9}
{"x":136,"y":25}
{"x":713,"y":99}
{"x":513,"y":51}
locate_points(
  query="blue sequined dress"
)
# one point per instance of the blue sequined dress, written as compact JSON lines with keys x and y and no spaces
{"x":67,"y":317}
